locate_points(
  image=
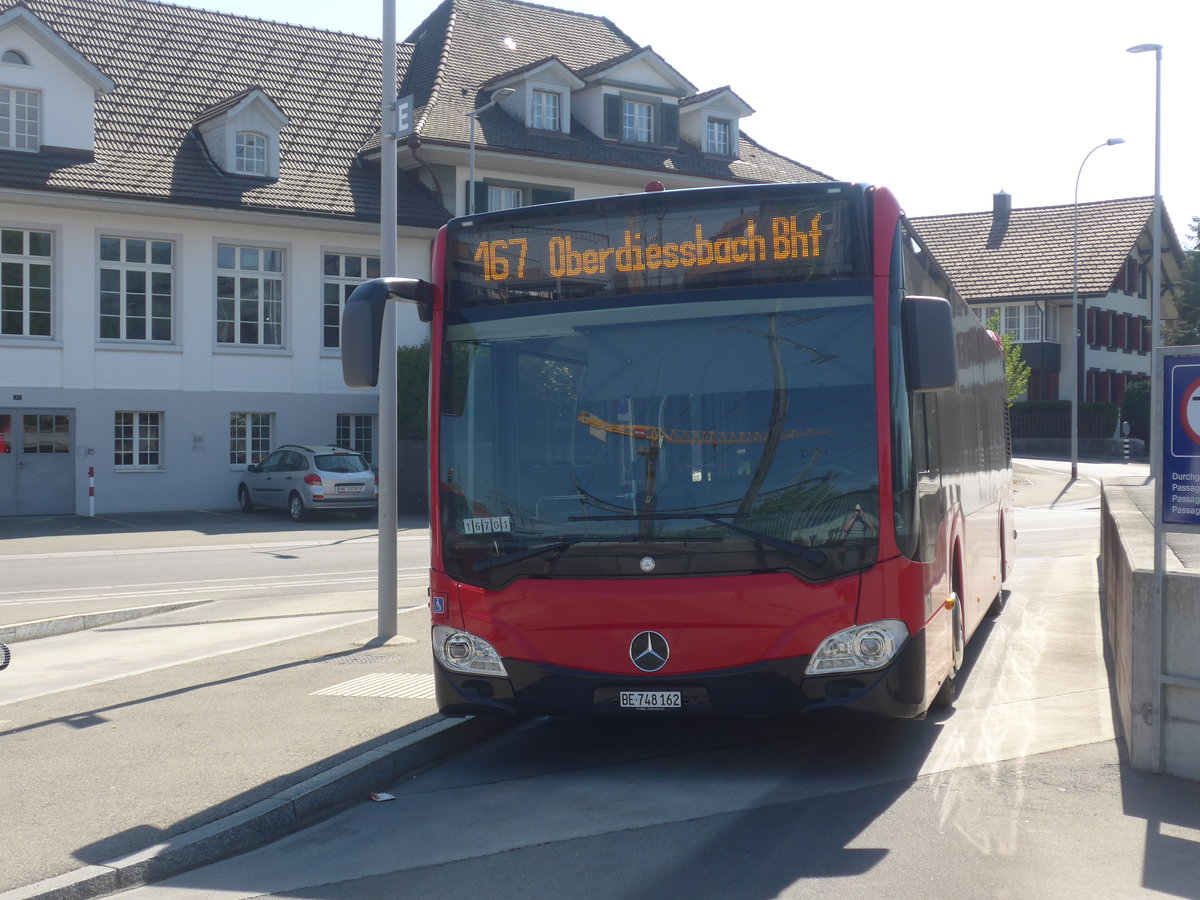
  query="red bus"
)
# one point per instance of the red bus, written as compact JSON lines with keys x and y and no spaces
{"x":734,"y":450}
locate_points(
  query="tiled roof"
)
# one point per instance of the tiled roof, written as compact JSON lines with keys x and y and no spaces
{"x":172,"y":64}
{"x":1033,"y":254}
{"x":461,"y":47}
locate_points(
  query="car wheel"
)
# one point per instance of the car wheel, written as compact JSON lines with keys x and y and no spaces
{"x":244,"y":500}
{"x":296,"y":508}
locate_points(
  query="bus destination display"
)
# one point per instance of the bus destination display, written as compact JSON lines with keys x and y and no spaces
{"x":650,"y":248}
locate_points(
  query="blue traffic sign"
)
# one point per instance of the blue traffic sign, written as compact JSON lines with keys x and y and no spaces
{"x":1181,"y":440}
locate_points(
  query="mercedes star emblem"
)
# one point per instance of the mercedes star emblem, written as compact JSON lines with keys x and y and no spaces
{"x":649,"y":651}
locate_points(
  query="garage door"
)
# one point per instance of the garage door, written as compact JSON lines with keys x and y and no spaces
{"x":37,"y":473}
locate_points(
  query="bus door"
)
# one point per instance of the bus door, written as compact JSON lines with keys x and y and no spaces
{"x":931,"y":504}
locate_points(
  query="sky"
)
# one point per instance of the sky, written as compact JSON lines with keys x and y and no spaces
{"x":944,"y":101}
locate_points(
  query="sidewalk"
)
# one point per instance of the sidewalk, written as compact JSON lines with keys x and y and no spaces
{"x":154,"y":770}
{"x":134,"y":778}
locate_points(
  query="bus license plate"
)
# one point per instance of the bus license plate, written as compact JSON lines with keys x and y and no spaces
{"x":650,"y":700}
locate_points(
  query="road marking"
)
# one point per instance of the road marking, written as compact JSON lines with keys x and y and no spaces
{"x":208,"y":548}
{"x":189,"y":587}
{"x":185,"y":660}
{"x":396,"y":686}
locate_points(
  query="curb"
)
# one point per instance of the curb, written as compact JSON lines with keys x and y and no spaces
{"x":40,"y":628}
{"x":268,"y":820}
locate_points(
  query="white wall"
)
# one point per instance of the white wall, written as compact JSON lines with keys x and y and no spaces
{"x":193,"y":381}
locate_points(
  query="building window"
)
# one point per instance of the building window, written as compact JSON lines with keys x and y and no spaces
{"x":20,"y":119}
{"x":503,"y":197}
{"x":719,"y":137}
{"x":14,"y":58}
{"x":25,"y":282}
{"x":1023,"y":321}
{"x":138,"y":440}
{"x":343,"y":273}
{"x":356,"y":432}
{"x":637,"y":120}
{"x":136,"y":287}
{"x":249,"y":437}
{"x":544,"y":111}
{"x":249,"y":296}
{"x":44,"y":434}
{"x":250,"y":153}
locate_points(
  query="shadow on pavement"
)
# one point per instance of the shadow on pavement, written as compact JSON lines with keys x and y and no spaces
{"x":197,"y":521}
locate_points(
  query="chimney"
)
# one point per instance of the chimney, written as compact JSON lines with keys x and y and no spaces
{"x":1001,"y":210}
{"x":1001,"y":206}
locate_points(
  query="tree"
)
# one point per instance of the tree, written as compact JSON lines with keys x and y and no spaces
{"x":1186,"y":330}
{"x":412,"y":391}
{"x":1016,"y":370}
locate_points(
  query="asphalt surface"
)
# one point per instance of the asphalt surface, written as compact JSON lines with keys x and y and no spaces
{"x":159,"y":769}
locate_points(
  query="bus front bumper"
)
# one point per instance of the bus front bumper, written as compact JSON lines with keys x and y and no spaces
{"x":774,"y":688}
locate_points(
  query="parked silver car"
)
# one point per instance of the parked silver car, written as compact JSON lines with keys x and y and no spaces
{"x":301,"y":478}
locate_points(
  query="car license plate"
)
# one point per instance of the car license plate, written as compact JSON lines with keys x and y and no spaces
{"x":349,"y":488}
{"x":650,"y":700}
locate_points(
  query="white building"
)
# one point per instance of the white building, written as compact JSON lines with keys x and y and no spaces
{"x":186,"y":198}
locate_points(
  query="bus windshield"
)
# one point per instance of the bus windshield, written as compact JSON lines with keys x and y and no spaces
{"x":713,"y":436}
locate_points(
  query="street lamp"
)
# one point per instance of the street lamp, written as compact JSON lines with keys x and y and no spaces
{"x":1080,"y":321}
{"x":1156,"y":428}
{"x":473,"y":115}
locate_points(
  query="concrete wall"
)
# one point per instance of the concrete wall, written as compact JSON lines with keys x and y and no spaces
{"x":1134,"y":639}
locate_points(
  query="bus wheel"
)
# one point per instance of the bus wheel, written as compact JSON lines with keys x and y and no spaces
{"x":296,"y":508}
{"x":998,"y":602}
{"x":944,"y":698}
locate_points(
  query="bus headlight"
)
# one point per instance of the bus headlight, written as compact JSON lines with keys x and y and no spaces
{"x":461,"y":651}
{"x":859,"y":649}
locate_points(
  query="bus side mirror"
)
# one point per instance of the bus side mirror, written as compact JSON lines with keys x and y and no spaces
{"x":362,"y":324}
{"x":930,"y":360}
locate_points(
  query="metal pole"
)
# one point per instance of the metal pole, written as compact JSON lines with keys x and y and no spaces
{"x":471,"y":166}
{"x":1080,"y":320}
{"x":1156,"y":395}
{"x":388,"y":456}
{"x":1158,"y":713}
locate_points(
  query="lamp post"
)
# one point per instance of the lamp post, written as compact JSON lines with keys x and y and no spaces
{"x":1080,"y":320}
{"x":1156,"y":428}
{"x":1157,"y":704}
{"x":473,"y":115}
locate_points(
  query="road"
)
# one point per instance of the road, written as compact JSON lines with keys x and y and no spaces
{"x":48,"y":582}
{"x":1016,"y":792}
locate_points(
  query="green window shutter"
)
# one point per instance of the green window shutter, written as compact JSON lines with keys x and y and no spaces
{"x":612,"y":116}
{"x":549,"y":195}
{"x":481,"y":195}
{"x":670,"y":124}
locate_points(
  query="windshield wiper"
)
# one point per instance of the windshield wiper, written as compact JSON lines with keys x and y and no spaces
{"x":816,"y":557}
{"x":563,"y":543}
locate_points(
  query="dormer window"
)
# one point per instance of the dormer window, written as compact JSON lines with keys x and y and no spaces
{"x":14,"y":58}
{"x":719,"y":137}
{"x":544,"y":110}
{"x":250,"y":153}
{"x":20,"y":119}
{"x":242,"y":132}
{"x":637,"y":122}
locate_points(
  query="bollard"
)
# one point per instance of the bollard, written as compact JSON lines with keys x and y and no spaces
{"x":92,"y":491}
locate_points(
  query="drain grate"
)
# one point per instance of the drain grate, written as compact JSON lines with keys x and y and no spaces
{"x":360,"y":659}
{"x":401,"y":687}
